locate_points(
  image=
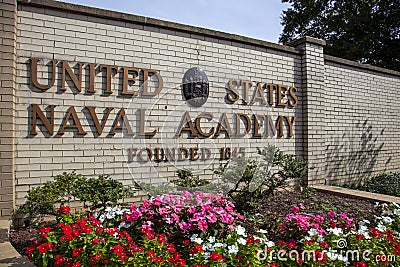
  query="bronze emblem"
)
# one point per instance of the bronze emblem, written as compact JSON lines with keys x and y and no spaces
{"x":195,"y":87}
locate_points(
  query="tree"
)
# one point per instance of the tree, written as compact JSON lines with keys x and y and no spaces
{"x":367,"y":31}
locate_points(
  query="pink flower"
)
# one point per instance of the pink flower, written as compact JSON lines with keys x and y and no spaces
{"x":295,"y":209}
{"x":331,"y":214}
{"x":157,"y":201}
{"x":212,"y":218}
{"x":319,"y":219}
{"x":184,"y":226}
{"x":191,"y":209}
{"x":202,"y":225}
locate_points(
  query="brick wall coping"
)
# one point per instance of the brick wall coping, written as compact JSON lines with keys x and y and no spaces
{"x":340,"y":191}
{"x":360,"y":65}
{"x":146,"y":21}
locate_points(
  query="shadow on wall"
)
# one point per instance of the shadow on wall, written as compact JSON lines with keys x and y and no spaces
{"x":353,"y":156}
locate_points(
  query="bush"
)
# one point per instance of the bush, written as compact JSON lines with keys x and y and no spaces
{"x":187,"y":179}
{"x":385,"y":183}
{"x":67,"y":187}
{"x":254,"y":180}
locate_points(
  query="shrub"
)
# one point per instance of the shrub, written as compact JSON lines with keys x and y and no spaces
{"x":101,"y":192}
{"x":385,"y":183}
{"x":67,"y":187}
{"x":255,"y":180}
{"x":187,"y":179}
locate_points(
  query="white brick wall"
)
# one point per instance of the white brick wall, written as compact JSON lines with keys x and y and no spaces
{"x":362,"y":129}
{"x":48,"y":34}
{"x":351,"y":111}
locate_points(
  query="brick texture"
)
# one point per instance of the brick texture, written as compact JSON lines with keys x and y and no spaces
{"x":314,"y":107}
{"x":47,"y":34}
{"x":8,"y":30}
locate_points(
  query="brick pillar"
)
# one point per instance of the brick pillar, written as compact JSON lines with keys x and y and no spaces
{"x":8,"y":46}
{"x":313,"y":86}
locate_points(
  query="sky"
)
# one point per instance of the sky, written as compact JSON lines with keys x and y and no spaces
{"x":258,"y":19}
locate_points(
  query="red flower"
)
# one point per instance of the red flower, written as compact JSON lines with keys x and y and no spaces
{"x":44,"y":229}
{"x":63,"y":209}
{"x":359,"y":264}
{"x":186,"y":242}
{"x":161,"y":238}
{"x":359,"y":236}
{"x":77,"y":252}
{"x":215,"y":256}
{"x":43,"y":248}
{"x":59,"y":261}
{"x":29,"y":251}
{"x":117,"y":249}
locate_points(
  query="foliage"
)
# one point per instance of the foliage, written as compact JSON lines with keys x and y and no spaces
{"x":385,"y":183}
{"x":305,"y":240}
{"x":365,"y":31}
{"x":43,"y":198}
{"x":101,"y":192}
{"x":254,"y":180}
{"x":187,"y":179}
{"x":308,"y":192}
{"x":86,"y":242}
{"x":69,"y":187}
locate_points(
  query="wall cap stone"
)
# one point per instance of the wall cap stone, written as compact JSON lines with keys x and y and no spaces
{"x":340,"y":191}
{"x":147,"y":21}
{"x":307,"y":39}
{"x":360,"y":65}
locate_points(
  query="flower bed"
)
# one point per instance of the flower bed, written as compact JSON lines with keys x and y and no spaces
{"x":199,"y":229}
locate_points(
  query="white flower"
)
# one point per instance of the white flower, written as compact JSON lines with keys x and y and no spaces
{"x":198,"y":240}
{"x":211,"y":239}
{"x":110,"y":215}
{"x":242,"y":241}
{"x":312,"y":232}
{"x":387,"y":220}
{"x":334,"y":256}
{"x":270,"y":244}
{"x":381,"y":228}
{"x":124,"y":225}
{"x":241,"y":231}
{"x":219,"y":245}
{"x":208,"y":247}
{"x":233,"y":249}
{"x":108,"y":209}
{"x":362,"y":230}
{"x":193,"y":237}
{"x":336,"y":231}
{"x":364,"y":222}
{"x":102,"y":218}
{"x":262,"y":231}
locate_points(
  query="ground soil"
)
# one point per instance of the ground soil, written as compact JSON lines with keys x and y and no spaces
{"x":266,"y":217}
